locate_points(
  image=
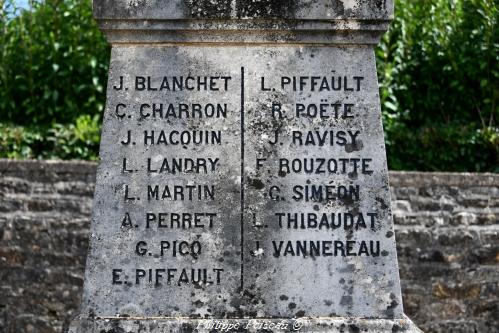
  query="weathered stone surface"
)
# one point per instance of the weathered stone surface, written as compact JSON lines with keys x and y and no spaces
{"x":244,"y":21}
{"x":270,"y":278}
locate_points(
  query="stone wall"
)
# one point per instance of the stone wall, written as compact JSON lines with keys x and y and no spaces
{"x":447,"y":228}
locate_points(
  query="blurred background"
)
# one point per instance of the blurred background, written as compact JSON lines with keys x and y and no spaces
{"x":438,"y":70}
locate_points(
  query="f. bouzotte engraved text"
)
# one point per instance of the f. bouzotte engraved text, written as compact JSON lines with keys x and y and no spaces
{"x":319,"y":165}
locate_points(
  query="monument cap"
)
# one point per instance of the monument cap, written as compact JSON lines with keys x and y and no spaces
{"x":248,"y":21}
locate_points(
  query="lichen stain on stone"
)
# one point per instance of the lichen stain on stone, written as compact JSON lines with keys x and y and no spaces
{"x":390,"y":308}
{"x":256,"y":183}
{"x":300,"y":313}
{"x":266,"y":8}
{"x":215,"y":9}
{"x":114,"y":330}
{"x":382,"y":202}
{"x":381,"y":4}
{"x":136,"y":3}
{"x":353,"y":175}
{"x":187,"y":328}
{"x":350,"y":8}
{"x":396,"y":328}
{"x":198,"y":303}
{"x":134,"y":7}
{"x":224,"y":9}
{"x":355,"y":146}
{"x":338,"y":7}
{"x":353,"y":328}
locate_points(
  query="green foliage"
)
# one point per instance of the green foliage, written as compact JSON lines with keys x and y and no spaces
{"x":439,"y":74}
{"x":53,"y":63}
{"x":53,"y":70}
{"x":75,"y":141}
{"x":71,"y":141}
{"x":16,"y":142}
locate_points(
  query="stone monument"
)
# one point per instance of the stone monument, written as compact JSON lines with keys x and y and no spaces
{"x":243,"y":183}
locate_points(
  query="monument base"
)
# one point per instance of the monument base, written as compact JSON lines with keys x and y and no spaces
{"x":303,"y":325}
